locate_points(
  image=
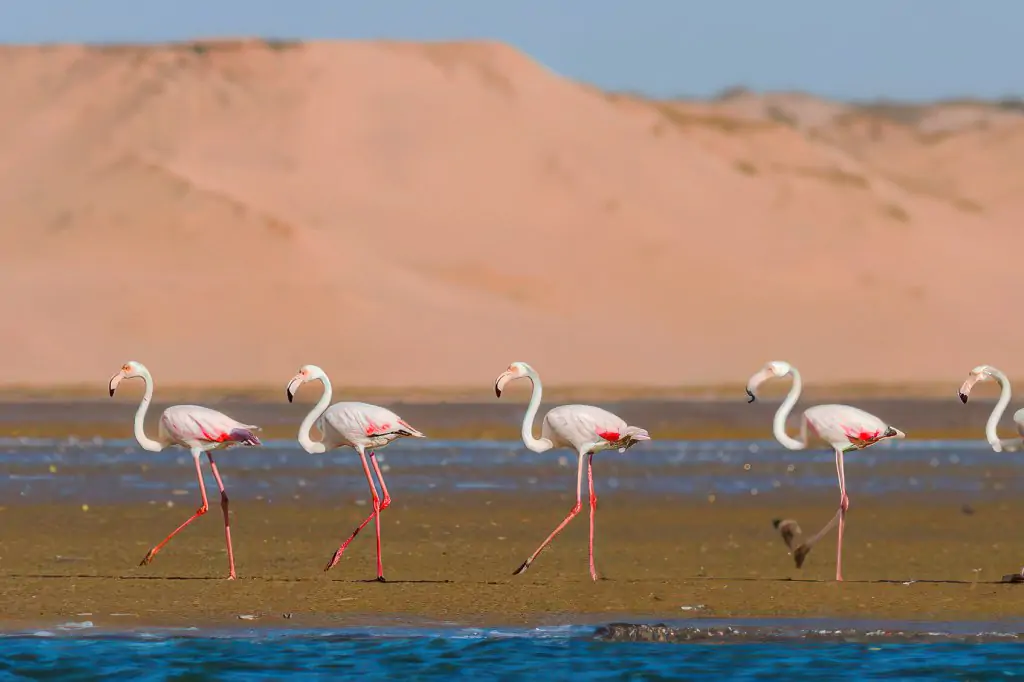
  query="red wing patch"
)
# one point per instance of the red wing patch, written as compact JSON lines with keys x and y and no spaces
{"x":610,"y":436}
{"x":862,"y":438}
{"x":371,"y":428}
{"x":213,"y":439}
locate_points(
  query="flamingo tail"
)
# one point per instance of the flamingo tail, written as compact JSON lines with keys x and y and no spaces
{"x":245,"y":436}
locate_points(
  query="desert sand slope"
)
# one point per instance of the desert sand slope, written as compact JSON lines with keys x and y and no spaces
{"x":407,"y":214}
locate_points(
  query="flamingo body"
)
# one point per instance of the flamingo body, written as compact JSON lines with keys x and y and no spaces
{"x":362,"y":424}
{"x":200,"y":428}
{"x":586,"y":428}
{"x":844,"y":426}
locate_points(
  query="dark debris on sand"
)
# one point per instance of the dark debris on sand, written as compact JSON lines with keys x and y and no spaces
{"x":630,"y":632}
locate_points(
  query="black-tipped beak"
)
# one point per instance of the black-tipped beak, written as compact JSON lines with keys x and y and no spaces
{"x":963,"y":397}
{"x":289,"y":394}
{"x":111,"y":393}
{"x":889,"y":432}
{"x":750,"y":396}
{"x":497,"y":391}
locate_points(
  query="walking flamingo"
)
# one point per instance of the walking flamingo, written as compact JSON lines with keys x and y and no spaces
{"x":199,"y":429}
{"x":984,"y":373}
{"x":584,"y":428}
{"x":360,"y":426}
{"x":843,"y":427}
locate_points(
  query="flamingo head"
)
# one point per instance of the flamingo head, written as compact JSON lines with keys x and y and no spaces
{"x":306,"y":373}
{"x":775,"y":368}
{"x":977,"y":375}
{"x":517,"y":370}
{"x":128,"y":370}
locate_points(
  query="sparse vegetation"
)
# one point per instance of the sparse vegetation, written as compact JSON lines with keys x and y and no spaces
{"x":834,"y":175}
{"x":683,"y":119}
{"x":896,"y":212}
{"x":780,"y":115}
{"x":745,"y":167}
{"x":280,"y":45}
{"x":967,"y":205}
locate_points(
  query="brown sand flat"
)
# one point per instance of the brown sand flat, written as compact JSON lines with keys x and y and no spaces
{"x":451,"y":558}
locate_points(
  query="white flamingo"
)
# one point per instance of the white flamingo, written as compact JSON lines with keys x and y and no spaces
{"x":985,"y":373}
{"x":360,"y":426}
{"x":843,"y":427}
{"x":584,"y":428}
{"x":198,"y":429}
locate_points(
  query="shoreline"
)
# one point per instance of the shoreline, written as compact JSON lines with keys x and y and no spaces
{"x":638,"y":629}
{"x":924,"y":418}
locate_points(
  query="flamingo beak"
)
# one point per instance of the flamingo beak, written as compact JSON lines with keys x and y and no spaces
{"x":756,"y":381}
{"x":293,"y":386}
{"x":503,"y":379}
{"x":114,"y":381}
{"x":965,"y":390}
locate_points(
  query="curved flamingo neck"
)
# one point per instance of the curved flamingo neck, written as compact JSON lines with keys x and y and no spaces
{"x":307,"y":443}
{"x":779,"y":424}
{"x":997,"y":412}
{"x":535,"y":444}
{"x":145,"y":441}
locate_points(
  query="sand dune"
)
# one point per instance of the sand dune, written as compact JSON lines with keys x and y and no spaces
{"x":410,"y":215}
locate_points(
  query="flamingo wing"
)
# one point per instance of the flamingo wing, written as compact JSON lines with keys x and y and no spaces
{"x":197,"y":424}
{"x":847,"y":426}
{"x":581,"y":425}
{"x":357,"y":421}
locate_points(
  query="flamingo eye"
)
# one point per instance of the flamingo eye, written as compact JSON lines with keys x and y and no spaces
{"x":126,"y":368}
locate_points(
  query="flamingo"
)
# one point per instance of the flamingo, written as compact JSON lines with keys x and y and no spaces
{"x":584,"y":428}
{"x":199,"y":429}
{"x":843,"y":427}
{"x":985,"y":373}
{"x":360,"y":426}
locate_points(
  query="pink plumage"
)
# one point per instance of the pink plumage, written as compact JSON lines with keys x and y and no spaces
{"x":197,"y":426}
{"x":584,"y":428}
{"x":843,"y":427}
{"x":199,"y":429}
{"x":361,"y":426}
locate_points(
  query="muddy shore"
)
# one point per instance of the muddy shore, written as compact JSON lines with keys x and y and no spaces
{"x":685,"y":419}
{"x":450,"y":559}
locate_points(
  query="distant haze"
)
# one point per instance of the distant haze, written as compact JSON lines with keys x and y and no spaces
{"x":844,"y":50}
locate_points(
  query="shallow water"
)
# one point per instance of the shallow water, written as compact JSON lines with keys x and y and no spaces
{"x":95,"y":471}
{"x":482,"y":654}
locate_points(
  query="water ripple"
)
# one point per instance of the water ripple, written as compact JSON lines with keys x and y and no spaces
{"x":96,"y":470}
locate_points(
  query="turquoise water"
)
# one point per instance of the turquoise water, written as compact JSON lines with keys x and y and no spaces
{"x":553,"y":653}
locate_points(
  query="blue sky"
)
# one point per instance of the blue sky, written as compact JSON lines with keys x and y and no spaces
{"x":905,"y":49}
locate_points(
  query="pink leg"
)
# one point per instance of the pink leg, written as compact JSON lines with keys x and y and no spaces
{"x":844,"y":504}
{"x":593,"y":510}
{"x":575,"y":510}
{"x":227,"y":523}
{"x":199,"y":512}
{"x":377,"y":507}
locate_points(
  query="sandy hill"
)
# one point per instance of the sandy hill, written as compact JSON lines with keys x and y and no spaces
{"x":423,"y":214}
